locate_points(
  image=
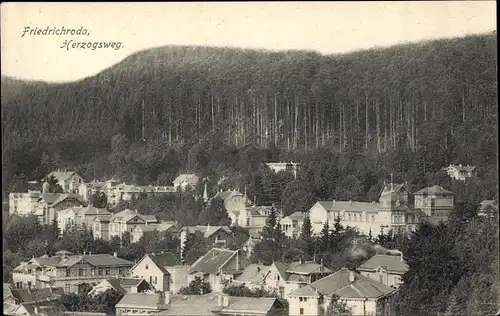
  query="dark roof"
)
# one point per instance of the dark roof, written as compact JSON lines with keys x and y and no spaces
{"x":435,"y":189}
{"x":254,"y":273}
{"x":307,"y":268}
{"x":163,"y":260}
{"x":387,"y":262}
{"x":51,"y":308}
{"x":212,"y":261}
{"x":97,"y":260}
{"x":37,"y":295}
{"x":116,"y":284}
{"x":338,"y":283}
{"x":61,"y":175}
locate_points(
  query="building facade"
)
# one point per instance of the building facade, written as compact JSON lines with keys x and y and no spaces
{"x":435,"y":202}
{"x":69,"y":271}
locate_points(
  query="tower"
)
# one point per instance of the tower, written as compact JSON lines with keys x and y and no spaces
{"x":205,"y":193}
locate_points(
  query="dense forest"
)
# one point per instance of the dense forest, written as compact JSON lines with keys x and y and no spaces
{"x":214,"y":110}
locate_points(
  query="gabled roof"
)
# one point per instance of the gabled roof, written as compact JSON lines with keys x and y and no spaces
{"x":307,"y":268}
{"x":396,"y":187}
{"x":122,"y":284}
{"x":462,"y":168}
{"x":141,"y":300}
{"x":435,"y":189}
{"x":127,"y":215}
{"x":51,"y":308}
{"x":296,"y":216}
{"x":161,"y":260}
{"x":148,"y":228}
{"x":254,"y":274}
{"x":37,"y":295}
{"x":97,"y":260}
{"x":281,"y":267}
{"x":166,"y":225}
{"x":389,"y":263}
{"x":250,"y":305}
{"x":61,"y":175}
{"x":224,"y":195}
{"x":190,"y":178}
{"x":349,"y":206}
{"x":88,"y":211}
{"x":52,"y":199}
{"x":206,"y":230}
{"x":213,"y":261}
{"x":338,"y":283}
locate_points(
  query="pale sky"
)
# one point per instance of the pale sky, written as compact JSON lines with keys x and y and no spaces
{"x":327,"y":27}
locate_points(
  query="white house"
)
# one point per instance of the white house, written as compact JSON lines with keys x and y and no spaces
{"x":292,"y":167}
{"x":154,"y":269}
{"x":291,"y":225}
{"x":362,"y":295}
{"x":184,"y":180}
{"x":391,"y":212}
{"x":387,"y":269}
{"x":460,"y":172}
{"x":435,"y":202}
{"x":69,"y":181}
{"x":24,"y":204}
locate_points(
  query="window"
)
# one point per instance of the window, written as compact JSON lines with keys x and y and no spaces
{"x":305,"y":299}
{"x":29,"y":284}
{"x":100,"y":271}
{"x":300,"y":299}
{"x":301,"y":311}
{"x":150,"y":280}
{"x":92,"y":272}
{"x":156,"y":280}
{"x":80,"y":272}
{"x":147,"y":267}
{"x":373,"y":218}
{"x":107,"y":271}
{"x":278,"y":277}
{"x":66,"y":288}
{"x":68,"y":272}
{"x":381,"y":278}
{"x":120,"y":271}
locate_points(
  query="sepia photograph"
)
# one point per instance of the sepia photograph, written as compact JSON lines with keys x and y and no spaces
{"x":250,"y":158}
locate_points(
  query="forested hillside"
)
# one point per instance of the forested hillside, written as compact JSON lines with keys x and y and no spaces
{"x":425,"y":105}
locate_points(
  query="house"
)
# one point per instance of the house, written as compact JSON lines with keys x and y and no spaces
{"x":254,"y":218}
{"x":387,"y":269}
{"x":101,"y":226}
{"x":300,"y":273}
{"x":184,"y":180}
{"x":234,"y":202}
{"x":68,"y":271}
{"x":269,"y":278}
{"x":392,"y":211}
{"x":435,"y":202}
{"x":32,"y":302}
{"x":291,"y":225}
{"x":214,"y":235}
{"x":459,"y":172}
{"x":153,"y":268}
{"x":249,"y":245}
{"x":87,"y":190}
{"x":141,"y":231}
{"x":79,"y":216}
{"x":50,"y":204}
{"x":157,"y":190}
{"x":24,"y":204}
{"x":218,"y":267}
{"x":292,"y":167}
{"x":169,"y":227}
{"x":362,"y":295}
{"x":122,"y":285}
{"x":126,"y":220}
{"x":187,"y":305}
{"x":69,"y":181}
{"x":488,"y":208}
{"x":179,"y":275}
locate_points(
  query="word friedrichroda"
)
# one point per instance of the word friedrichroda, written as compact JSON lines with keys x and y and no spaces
{"x":55,"y":31}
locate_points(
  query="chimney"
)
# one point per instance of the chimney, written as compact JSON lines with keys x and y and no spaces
{"x":114,"y":254}
{"x":168,"y":297}
{"x":225,"y":300}
{"x":351,"y":276}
